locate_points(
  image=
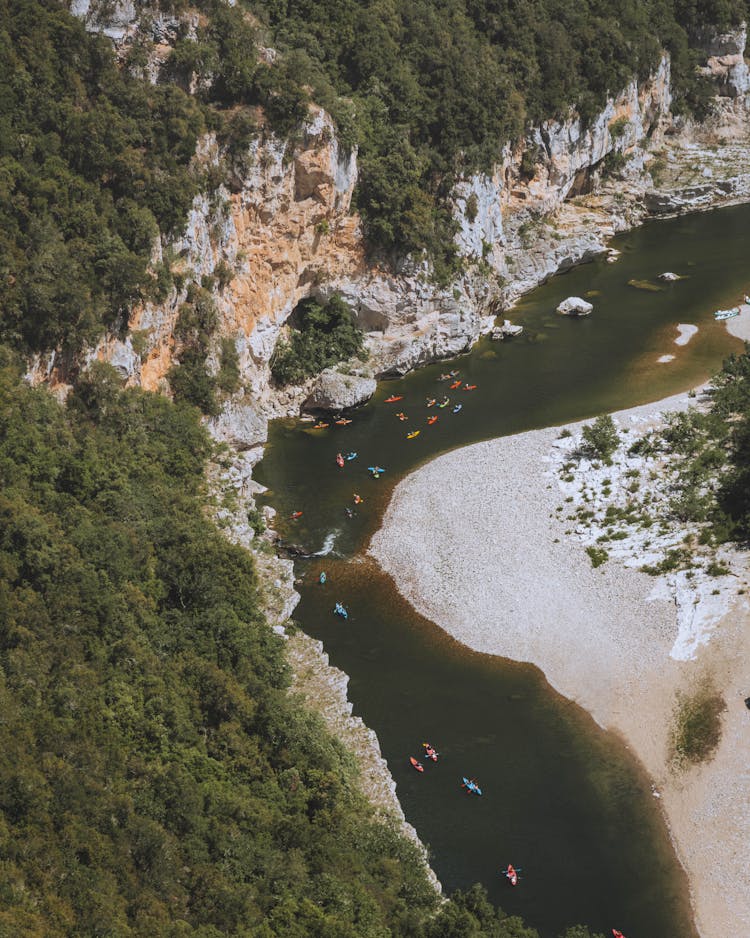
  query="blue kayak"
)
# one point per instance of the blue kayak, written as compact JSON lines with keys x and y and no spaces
{"x":471,"y":786}
{"x":340,"y":610}
{"x":322,"y":578}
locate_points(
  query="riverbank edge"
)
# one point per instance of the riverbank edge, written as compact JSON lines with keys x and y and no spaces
{"x":714,"y":864}
{"x":320,"y":685}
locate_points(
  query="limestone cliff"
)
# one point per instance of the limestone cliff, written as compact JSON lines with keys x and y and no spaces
{"x":282,"y":224}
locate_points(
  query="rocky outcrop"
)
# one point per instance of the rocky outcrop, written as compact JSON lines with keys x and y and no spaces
{"x":336,"y":391}
{"x":725,"y":62}
{"x":575,"y":306}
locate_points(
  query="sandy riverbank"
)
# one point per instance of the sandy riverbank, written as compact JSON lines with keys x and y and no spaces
{"x":475,"y":541}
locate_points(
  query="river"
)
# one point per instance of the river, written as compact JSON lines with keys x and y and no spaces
{"x":563,"y":800}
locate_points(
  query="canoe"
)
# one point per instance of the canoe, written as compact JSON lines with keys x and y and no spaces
{"x":417,"y":765}
{"x":512,"y":875}
{"x":410,"y":436}
{"x":393,"y":398}
{"x":727,"y":313}
{"x":431,"y":420}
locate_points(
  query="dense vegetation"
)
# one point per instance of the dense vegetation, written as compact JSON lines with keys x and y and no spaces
{"x":93,"y":164}
{"x":322,"y":334}
{"x":713,"y":476}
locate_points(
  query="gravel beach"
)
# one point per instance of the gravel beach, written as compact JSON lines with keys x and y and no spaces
{"x":476,"y":542}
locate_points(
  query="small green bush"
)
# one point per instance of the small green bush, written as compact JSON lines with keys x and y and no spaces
{"x":697,"y":726}
{"x":228,"y":379}
{"x":600,"y":439}
{"x":597,"y":555}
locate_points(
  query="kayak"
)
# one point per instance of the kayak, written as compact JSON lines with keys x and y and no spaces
{"x":375,"y":470}
{"x":470,"y":387}
{"x":351,"y":456}
{"x":342,"y":422}
{"x":321,"y":425}
{"x":339,"y":460}
{"x":393,"y":398}
{"x":512,"y":875}
{"x":295,"y":514}
{"x":617,"y":934}
{"x":417,"y":765}
{"x":402,"y":416}
{"x":456,"y":384}
{"x":358,"y":499}
{"x":431,"y":402}
{"x":410,"y":436}
{"x":431,"y":420}
{"x":340,"y":610}
{"x":430,"y":752}
{"x":445,"y":401}
{"x":457,"y":408}
{"x":322,"y":578}
{"x":471,"y":786}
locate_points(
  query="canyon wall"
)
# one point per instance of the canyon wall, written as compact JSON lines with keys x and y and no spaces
{"x":284,"y":228}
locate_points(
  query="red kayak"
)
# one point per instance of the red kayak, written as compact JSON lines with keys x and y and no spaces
{"x":430,"y":752}
{"x":512,"y":875}
{"x":417,"y":765}
{"x":393,"y":398}
{"x":470,"y":387}
{"x":617,"y":934}
{"x":431,"y":420}
{"x":295,"y":514}
{"x":456,"y":384}
{"x":339,"y":460}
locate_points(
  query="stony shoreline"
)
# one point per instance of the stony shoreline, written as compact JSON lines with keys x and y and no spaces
{"x":485,"y":552}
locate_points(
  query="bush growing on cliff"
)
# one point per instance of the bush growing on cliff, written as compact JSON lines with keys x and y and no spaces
{"x":325,"y":334}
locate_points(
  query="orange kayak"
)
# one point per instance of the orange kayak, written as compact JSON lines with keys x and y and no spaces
{"x":393,"y":398}
{"x":416,"y":765}
{"x":431,"y":420}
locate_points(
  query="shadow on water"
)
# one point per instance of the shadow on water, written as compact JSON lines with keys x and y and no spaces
{"x":564,"y":801}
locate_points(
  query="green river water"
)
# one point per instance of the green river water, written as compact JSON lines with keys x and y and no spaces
{"x":563,"y":800}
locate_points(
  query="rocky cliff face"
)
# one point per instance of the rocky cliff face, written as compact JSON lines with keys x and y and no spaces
{"x":283,"y":226}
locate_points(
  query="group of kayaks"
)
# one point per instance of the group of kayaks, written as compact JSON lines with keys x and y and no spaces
{"x":433,"y":401}
{"x":429,"y":753}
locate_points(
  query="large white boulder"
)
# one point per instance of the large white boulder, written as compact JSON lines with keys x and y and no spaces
{"x":575,"y":306}
{"x":335,"y":391}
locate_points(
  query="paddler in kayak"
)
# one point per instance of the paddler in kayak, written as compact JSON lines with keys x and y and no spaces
{"x":430,"y":752}
{"x":340,"y":460}
{"x":357,"y":499}
{"x":401,"y":415}
{"x":511,"y":874}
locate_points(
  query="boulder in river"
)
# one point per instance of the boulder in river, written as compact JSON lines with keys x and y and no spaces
{"x":336,"y":391}
{"x":575,"y":306}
